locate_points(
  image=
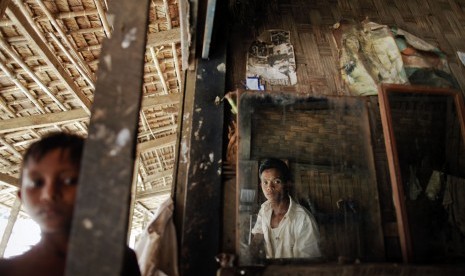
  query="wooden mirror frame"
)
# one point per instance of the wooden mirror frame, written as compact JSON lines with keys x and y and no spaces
{"x":392,"y":153}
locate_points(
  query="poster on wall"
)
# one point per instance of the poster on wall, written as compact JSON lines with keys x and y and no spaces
{"x":271,"y":58}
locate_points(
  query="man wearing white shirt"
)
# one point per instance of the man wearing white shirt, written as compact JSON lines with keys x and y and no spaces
{"x":288,"y":230}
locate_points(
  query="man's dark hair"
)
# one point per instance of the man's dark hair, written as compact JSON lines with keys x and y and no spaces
{"x":278,"y":164}
{"x":57,"y":140}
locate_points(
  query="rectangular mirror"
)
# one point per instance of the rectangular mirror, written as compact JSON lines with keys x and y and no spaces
{"x":424,"y":136}
{"x":326,"y":207}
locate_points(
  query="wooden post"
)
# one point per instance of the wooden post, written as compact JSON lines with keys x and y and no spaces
{"x":100,"y":223}
{"x":9,"y":227}
{"x":202,"y":205}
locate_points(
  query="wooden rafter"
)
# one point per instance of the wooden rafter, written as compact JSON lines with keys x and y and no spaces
{"x":184,"y":13}
{"x":164,"y":38}
{"x":43,"y":120}
{"x":173,"y":44}
{"x":9,"y":180}
{"x":14,"y":212}
{"x":80,"y":114}
{"x":103,"y":18}
{"x":21,"y":87}
{"x":76,"y":63}
{"x":10,"y":148}
{"x":61,"y":15}
{"x":153,"y":192}
{"x":160,"y":73}
{"x":15,"y":14}
{"x":158,"y":175}
{"x":156,"y":143}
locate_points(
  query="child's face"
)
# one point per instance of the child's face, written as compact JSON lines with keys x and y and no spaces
{"x":48,"y":190}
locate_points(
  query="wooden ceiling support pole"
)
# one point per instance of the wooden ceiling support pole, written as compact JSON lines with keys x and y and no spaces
{"x":202,"y":203}
{"x":100,"y":222}
{"x":14,"y":211}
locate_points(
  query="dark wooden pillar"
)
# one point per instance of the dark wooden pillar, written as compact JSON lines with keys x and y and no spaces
{"x":198,"y":191}
{"x":100,"y":222}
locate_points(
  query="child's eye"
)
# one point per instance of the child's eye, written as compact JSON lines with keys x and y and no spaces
{"x":69,"y":181}
{"x":34,"y":183}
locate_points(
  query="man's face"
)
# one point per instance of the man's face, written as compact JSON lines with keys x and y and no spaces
{"x":273,"y":186}
{"x":48,"y":190}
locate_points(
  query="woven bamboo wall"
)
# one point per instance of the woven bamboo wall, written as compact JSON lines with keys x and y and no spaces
{"x":330,"y":137}
{"x":344,"y":232}
{"x":439,"y":22}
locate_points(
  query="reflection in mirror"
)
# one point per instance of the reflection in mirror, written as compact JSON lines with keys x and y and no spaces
{"x":424,"y":140}
{"x":327,"y":208}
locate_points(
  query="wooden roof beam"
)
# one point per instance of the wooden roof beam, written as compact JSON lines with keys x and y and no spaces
{"x":80,"y":114}
{"x":169,"y":99}
{"x":7,"y":108}
{"x":144,"y":208}
{"x":156,"y":143}
{"x":65,"y":15}
{"x":86,"y":30}
{"x":153,"y":40}
{"x":160,"y":73}
{"x":103,"y":18}
{"x":173,"y":44}
{"x":43,"y":120}
{"x":158,"y":130}
{"x":76,"y":63}
{"x":61,"y":15}
{"x":10,"y":148}
{"x":9,"y":180}
{"x":22,"y":23}
{"x":164,"y":38}
{"x":152,"y":193}
{"x":158,"y":175}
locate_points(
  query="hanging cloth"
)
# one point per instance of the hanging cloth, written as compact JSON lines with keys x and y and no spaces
{"x":157,"y":248}
{"x":434,"y":185}
{"x":454,"y":201}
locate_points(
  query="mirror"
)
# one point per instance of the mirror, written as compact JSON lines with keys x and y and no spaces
{"x":325,"y":143}
{"x":424,"y":130}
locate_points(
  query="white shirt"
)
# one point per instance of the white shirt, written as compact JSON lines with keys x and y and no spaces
{"x":296,"y":236}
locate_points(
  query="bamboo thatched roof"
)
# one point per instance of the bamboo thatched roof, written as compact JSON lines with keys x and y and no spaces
{"x":49,"y":55}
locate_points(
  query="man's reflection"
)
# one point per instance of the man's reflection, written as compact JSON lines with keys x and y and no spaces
{"x":287,"y":229}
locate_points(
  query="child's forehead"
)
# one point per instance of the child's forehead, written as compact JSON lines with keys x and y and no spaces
{"x":57,"y":154}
